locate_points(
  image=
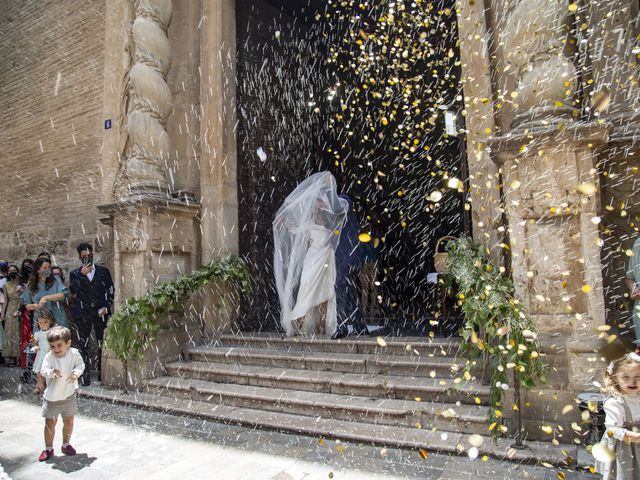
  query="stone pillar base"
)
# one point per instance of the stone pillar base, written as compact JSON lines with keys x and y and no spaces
{"x":155,"y":241}
{"x":556,"y":267}
{"x":168,"y":347}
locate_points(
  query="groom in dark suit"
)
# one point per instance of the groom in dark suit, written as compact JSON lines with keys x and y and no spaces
{"x":92,"y":290}
{"x":349,"y":264}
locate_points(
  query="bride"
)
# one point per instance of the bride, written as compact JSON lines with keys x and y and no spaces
{"x":306,"y":232}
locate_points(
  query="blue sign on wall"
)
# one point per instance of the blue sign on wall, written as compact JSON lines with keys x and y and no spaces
{"x":107,"y":124}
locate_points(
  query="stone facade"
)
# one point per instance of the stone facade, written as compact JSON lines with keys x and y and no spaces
{"x":164,"y":223}
{"x":162,"y":181}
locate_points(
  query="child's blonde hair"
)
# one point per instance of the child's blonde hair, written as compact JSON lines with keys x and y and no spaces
{"x":610,"y":384}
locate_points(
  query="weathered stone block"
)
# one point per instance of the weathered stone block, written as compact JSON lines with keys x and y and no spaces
{"x":13,"y":254}
{"x":584,"y":370}
{"x":218,"y":305}
{"x":557,"y":371}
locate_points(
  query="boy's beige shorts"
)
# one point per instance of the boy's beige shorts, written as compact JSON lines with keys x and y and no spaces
{"x":66,"y":408}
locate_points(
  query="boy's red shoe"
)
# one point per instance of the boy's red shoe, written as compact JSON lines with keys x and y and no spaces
{"x":45,"y":455}
{"x":68,"y":450}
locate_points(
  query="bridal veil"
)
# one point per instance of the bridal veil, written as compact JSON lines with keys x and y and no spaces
{"x":306,"y":232}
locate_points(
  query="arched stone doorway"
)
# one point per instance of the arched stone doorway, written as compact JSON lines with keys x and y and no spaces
{"x":284,"y":98}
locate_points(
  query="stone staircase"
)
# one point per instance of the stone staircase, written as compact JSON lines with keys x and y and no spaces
{"x":409,"y":392}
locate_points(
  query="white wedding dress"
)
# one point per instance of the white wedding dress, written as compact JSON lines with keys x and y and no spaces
{"x":317,"y":283}
{"x":306,"y":232}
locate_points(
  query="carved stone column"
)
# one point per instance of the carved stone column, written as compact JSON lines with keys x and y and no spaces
{"x":149,"y":97}
{"x":155,"y":237}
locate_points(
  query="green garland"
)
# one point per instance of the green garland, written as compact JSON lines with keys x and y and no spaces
{"x":495,"y":324}
{"x":134,"y":326}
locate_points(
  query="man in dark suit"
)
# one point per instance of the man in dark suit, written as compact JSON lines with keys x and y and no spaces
{"x":349,"y":262}
{"x":91,"y":288}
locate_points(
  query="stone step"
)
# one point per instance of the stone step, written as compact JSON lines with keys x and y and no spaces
{"x":377,"y":386}
{"x":343,"y":362}
{"x":385,"y":435}
{"x":422,"y":346}
{"x":386,"y":411}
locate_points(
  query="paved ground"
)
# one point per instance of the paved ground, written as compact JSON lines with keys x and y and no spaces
{"x":116,"y":442}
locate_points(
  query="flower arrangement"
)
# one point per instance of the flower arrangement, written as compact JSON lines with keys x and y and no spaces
{"x":133,"y":328}
{"x":496,"y":326}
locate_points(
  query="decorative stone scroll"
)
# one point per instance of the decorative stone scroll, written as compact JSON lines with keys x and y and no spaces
{"x":150,"y":100}
{"x":533,"y":34}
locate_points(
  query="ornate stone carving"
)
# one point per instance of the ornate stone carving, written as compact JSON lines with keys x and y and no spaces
{"x":613,"y":46}
{"x":533,"y":35}
{"x":149,"y":100}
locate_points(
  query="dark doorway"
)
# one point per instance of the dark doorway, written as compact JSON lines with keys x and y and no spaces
{"x":287,"y":129}
{"x":278,"y":134}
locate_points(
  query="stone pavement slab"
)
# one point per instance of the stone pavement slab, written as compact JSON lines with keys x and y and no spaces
{"x":110,"y":450}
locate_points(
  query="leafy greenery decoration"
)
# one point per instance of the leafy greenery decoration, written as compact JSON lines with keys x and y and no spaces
{"x":133,"y":328}
{"x":496,"y":325}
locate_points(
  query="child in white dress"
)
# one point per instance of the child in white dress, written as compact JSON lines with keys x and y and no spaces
{"x":41,"y":346}
{"x":618,"y":455}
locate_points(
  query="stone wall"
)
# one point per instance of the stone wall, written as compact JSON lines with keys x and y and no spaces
{"x":51,"y":126}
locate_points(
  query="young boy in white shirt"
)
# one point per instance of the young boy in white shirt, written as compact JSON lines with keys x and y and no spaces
{"x":61,"y":368}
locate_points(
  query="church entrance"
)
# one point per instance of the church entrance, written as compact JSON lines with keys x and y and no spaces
{"x":370,"y":91}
